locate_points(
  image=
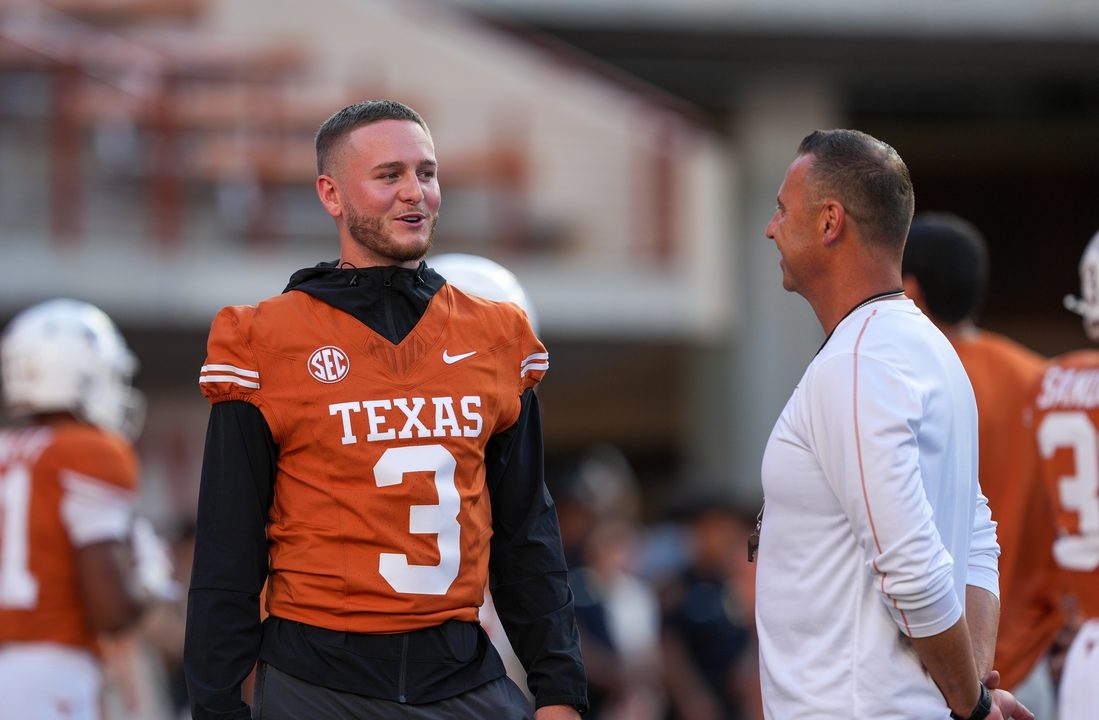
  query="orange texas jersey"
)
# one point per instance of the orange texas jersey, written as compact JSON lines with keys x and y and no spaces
{"x":1003,"y":374}
{"x":61,"y":487}
{"x":1067,"y":421}
{"x":380,"y":521}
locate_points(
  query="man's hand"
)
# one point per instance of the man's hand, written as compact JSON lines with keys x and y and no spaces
{"x":568,"y":712}
{"x":1004,"y":705}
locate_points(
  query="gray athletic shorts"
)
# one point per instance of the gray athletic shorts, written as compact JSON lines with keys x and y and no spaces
{"x":279,"y":696}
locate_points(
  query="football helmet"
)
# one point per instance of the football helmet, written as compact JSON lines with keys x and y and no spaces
{"x":477,"y":275}
{"x":67,"y":355}
{"x":1088,"y":306}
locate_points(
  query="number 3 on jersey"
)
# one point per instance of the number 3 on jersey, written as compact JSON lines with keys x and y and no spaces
{"x":442,"y":519}
{"x":1077,"y":492}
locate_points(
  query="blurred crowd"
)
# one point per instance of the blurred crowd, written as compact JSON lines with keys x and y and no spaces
{"x":664,"y":607}
{"x":664,"y":604}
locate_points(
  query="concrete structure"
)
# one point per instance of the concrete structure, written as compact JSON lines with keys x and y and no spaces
{"x":621,"y":156}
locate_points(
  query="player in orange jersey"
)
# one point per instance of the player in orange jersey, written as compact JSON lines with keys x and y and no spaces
{"x":945,"y":271}
{"x":1066,"y":412}
{"x":68,"y":479}
{"x":374,"y":455}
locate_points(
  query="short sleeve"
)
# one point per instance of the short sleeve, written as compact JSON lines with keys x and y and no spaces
{"x":230,"y":371}
{"x":534,"y":360}
{"x":98,"y":478}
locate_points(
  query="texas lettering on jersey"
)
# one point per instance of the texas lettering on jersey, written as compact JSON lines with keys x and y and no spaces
{"x":381,"y":451}
{"x":382,"y":418}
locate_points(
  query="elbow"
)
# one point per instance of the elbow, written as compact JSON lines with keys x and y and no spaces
{"x":116,"y":619}
{"x":924,"y":606}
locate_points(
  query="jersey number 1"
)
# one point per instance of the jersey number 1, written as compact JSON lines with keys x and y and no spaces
{"x":18,"y":588}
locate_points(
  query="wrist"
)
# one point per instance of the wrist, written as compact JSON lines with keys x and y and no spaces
{"x":982,"y":710}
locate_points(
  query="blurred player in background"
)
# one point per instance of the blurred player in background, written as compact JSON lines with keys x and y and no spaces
{"x":945,"y":272}
{"x":68,"y":485}
{"x":1067,"y":420}
{"x":709,"y":639}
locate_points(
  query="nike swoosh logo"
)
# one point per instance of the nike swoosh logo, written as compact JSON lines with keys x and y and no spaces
{"x":451,"y":359}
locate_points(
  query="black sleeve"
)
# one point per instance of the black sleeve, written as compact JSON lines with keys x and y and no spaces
{"x":528,"y":573}
{"x":230,"y":565}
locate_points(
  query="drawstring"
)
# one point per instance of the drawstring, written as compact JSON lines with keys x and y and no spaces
{"x":354,"y":276}
{"x":387,"y":278}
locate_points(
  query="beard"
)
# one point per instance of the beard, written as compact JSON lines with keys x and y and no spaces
{"x":370,"y":235}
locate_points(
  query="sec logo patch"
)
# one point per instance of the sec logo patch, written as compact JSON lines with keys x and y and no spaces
{"x":329,"y":364}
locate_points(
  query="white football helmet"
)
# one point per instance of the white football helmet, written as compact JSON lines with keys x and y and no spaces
{"x":66,"y":355}
{"x":477,"y":275}
{"x":1088,"y":307}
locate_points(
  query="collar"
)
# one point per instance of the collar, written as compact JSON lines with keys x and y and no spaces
{"x":887,"y":295}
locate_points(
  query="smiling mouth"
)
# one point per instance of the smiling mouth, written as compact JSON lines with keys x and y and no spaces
{"x":412,"y":218}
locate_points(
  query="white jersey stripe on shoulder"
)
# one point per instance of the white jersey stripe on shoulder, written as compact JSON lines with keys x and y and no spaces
{"x":228,"y":379}
{"x":233,"y":369}
{"x":534,"y":366}
{"x":92,"y":487}
{"x":93,"y":510}
{"x":535,"y":356}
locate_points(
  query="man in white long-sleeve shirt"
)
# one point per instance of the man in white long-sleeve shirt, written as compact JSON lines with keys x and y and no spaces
{"x":877,"y":587}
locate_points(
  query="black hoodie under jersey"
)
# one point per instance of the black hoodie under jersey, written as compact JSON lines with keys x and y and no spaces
{"x":224,"y":635}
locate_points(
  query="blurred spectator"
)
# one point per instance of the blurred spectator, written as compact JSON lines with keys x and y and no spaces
{"x":619,"y":619}
{"x":137,"y":669}
{"x":597,"y":499}
{"x":163,"y":626}
{"x":708,"y":638}
{"x":945,"y":272}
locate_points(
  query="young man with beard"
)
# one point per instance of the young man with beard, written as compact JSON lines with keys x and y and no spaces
{"x":374,"y":454}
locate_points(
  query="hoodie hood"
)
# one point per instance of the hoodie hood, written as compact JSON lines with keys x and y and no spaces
{"x":390,"y":300}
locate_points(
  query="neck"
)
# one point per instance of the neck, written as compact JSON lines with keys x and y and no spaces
{"x":841,"y":304}
{"x":860,"y":271}
{"x":361,"y":262}
{"x":357,"y":255}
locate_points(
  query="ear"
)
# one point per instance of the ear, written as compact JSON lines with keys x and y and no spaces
{"x":831,"y":220}
{"x":329,"y":195}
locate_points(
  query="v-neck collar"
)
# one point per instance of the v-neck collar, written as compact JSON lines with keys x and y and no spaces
{"x":389,"y":300}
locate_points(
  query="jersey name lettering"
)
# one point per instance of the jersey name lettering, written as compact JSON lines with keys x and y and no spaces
{"x":1069,"y":388}
{"x":24,"y":446}
{"x":400,"y":418}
